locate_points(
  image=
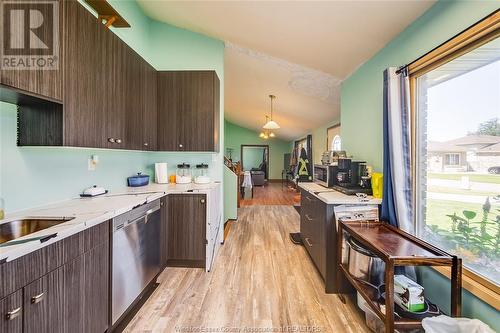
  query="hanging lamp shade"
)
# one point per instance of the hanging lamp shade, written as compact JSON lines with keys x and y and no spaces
{"x":271,"y":124}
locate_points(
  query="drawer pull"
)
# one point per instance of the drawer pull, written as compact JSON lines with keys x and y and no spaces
{"x":308,"y":242}
{"x":308,"y":217}
{"x":308,"y":198}
{"x":13,"y":314}
{"x":37,"y":299}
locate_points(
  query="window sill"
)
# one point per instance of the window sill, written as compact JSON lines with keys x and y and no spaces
{"x":479,"y":287}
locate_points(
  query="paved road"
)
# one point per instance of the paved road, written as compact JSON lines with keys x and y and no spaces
{"x":461,"y":198}
{"x":456,"y":184}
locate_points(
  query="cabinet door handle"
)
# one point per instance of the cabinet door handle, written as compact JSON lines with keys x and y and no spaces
{"x":307,"y":197}
{"x":202,"y":201}
{"x":118,"y":140}
{"x":308,"y":242}
{"x":180,"y":146}
{"x":308,"y":217}
{"x":13,"y":314}
{"x":112,"y":140}
{"x":37,"y":299}
{"x":146,"y":144}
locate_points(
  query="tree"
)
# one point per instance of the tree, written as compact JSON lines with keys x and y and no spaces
{"x":489,"y":127}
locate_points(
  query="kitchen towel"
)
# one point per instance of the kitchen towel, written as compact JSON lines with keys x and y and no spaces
{"x":161,"y":174}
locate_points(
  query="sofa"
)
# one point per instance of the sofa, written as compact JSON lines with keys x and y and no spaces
{"x":258,"y":177}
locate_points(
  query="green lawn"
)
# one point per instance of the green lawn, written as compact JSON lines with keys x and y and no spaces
{"x":473,"y":177}
{"x":438,"y":209}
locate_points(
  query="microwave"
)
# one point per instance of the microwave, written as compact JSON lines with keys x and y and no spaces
{"x":325,"y":175}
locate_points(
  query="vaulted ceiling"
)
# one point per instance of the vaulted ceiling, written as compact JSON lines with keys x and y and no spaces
{"x":299,"y":51}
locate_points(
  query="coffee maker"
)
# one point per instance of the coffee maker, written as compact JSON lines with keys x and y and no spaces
{"x":351,"y":177}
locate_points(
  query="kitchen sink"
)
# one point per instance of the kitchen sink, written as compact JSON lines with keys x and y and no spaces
{"x":22,"y":227}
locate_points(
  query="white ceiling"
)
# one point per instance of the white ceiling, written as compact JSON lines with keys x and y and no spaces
{"x":328,"y":39}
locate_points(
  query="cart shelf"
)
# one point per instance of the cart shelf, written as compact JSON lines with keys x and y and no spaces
{"x":396,"y":248}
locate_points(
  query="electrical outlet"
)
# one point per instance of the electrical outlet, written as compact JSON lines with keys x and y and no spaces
{"x":91,"y":165}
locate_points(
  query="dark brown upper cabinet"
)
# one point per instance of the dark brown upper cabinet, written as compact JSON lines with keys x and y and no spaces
{"x":150,"y":109}
{"x":21,"y":85}
{"x":114,"y":99}
{"x":109,"y":97}
{"x":188,"y":111}
{"x":89,"y":53}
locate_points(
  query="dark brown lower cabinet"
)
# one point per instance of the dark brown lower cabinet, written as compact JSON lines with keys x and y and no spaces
{"x":186,"y":230}
{"x":11,"y":309}
{"x":71,"y":298}
{"x":318,"y":231}
{"x":96,"y":286}
{"x":163,"y":233}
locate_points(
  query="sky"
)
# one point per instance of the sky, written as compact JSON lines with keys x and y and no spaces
{"x":457,"y":106}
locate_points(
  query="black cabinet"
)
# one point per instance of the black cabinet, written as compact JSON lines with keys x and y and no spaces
{"x":186,"y":230}
{"x":188,"y":111}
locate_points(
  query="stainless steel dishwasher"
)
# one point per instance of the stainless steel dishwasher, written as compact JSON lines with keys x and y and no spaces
{"x":136,"y":255}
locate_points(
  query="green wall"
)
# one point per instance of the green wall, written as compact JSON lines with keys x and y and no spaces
{"x":235,"y":136}
{"x":252,"y":157}
{"x":361,"y":111}
{"x":361,"y":93}
{"x":36,"y":176}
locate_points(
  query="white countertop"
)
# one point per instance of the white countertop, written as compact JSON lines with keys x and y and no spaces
{"x":88,"y":212}
{"x":332,"y":197}
{"x":314,"y":187}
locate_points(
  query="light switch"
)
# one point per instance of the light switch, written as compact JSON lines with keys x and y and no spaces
{"x":91,"y":165}
{"x":92,"y":162}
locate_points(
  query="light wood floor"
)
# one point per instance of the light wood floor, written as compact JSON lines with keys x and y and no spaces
{"x":260,"y":280}
{"x":272,"y":194}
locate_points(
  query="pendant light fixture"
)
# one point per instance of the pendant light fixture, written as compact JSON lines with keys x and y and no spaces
{"x":266,"y":134}
{"x":271,"y":124}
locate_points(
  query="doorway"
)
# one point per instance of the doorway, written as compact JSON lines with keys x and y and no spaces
{"x":255,"y":158}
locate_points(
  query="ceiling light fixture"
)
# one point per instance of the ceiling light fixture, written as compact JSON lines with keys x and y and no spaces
{"x":266,"y":134}
{"x":271,"y":124}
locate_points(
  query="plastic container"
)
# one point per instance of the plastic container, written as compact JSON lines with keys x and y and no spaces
{"x":377,"y":185}
{"x":138,"y":180}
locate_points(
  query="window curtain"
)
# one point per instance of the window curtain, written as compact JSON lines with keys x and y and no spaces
{"x":397,"y":191}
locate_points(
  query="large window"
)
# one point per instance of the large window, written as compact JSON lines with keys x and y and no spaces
{"x":456,"y":112}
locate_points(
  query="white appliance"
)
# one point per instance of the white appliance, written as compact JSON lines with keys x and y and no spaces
{"x":93,"y":191}
{"x":161,"y":173}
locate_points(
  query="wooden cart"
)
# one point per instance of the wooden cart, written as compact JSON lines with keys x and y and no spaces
{"x":397,"y":248}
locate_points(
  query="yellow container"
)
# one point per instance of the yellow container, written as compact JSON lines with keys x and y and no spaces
{"x":377,"y":184}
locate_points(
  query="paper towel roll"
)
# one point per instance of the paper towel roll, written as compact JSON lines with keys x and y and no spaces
{"x":161,"y":174}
